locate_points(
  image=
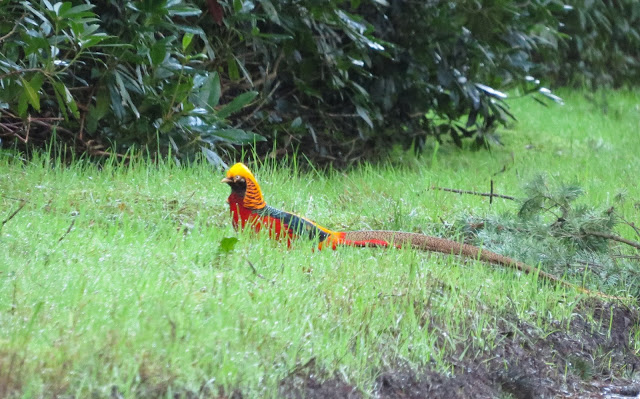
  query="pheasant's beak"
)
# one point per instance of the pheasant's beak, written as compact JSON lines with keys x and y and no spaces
{"x":226,"y":180}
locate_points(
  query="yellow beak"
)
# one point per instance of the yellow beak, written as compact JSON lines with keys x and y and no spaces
{"x":226,"y":180}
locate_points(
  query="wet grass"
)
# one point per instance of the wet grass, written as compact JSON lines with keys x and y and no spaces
{"x":113,"y":280}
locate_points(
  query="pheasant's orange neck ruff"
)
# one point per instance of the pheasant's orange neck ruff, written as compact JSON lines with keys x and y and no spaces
{"x":253,"y":197}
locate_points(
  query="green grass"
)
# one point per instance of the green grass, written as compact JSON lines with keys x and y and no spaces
{"x":139,"y":296}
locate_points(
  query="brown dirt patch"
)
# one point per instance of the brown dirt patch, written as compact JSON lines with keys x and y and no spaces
{"x":588,"y":360}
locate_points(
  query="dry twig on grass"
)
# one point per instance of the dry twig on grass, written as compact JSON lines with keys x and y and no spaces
{"x":490,"y":195}
{"x":22,"y":205}
{"x":68,"y":230}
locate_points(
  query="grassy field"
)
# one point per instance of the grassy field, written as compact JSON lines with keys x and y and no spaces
{"x":113,"y":281}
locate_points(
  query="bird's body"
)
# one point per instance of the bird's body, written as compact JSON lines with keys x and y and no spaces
{"x":248,"y":209}
{"x":280,"y":224}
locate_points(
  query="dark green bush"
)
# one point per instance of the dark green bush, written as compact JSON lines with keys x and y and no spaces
{"x":453,"y":59}
{"x":601,"y":46}
{"x":137,"y":75}
{"x":338,"y":80}
{"x":347,"y":79}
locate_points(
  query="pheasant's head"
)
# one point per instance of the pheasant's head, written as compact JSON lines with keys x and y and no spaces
{"x":244,"y":185}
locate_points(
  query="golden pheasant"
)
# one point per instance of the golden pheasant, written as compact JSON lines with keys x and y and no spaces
{"x":248,"y":208}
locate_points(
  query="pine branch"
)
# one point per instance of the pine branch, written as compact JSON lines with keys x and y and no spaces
{"x":614,"y":238}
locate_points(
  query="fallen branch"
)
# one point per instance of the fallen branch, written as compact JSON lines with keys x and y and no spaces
{"x":49,"y":126}
{"x":253,"y":268}
{"x":614,"y":238}
{"x":22,"y":205}
{"x":68,"y":230}
{"x":109,"y":154}
{"x":185,"y":206}
{"x":381,"y":295}
{"x":590,"y":264}
{"x":632,"y":257}
{"x":491,"y":195}
{"x":13,"y":198}
{"x":630,"y":224}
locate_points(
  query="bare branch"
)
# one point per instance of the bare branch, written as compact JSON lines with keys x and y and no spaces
{"x":632,"y":257}
{"x":68,"y":230}
{"x":19,"y":71}
{"x":12,"y":31}
{"x":614,"y":238}
{"x":22,"y":204}
{"x":491,"y":195}
{"x":253,"y":268}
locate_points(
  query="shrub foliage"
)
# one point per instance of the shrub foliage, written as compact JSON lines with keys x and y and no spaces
{"x":602,"y":45}
{"x":140,"y":74}
{"x":335,"y":79}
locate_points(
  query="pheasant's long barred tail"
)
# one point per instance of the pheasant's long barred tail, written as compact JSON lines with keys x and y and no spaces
{"x":442,"y":245}
{"x":435,"y":244}
{"x":248,"y":209}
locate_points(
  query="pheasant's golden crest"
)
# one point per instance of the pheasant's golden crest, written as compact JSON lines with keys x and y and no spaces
{"x":253,"y":198}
